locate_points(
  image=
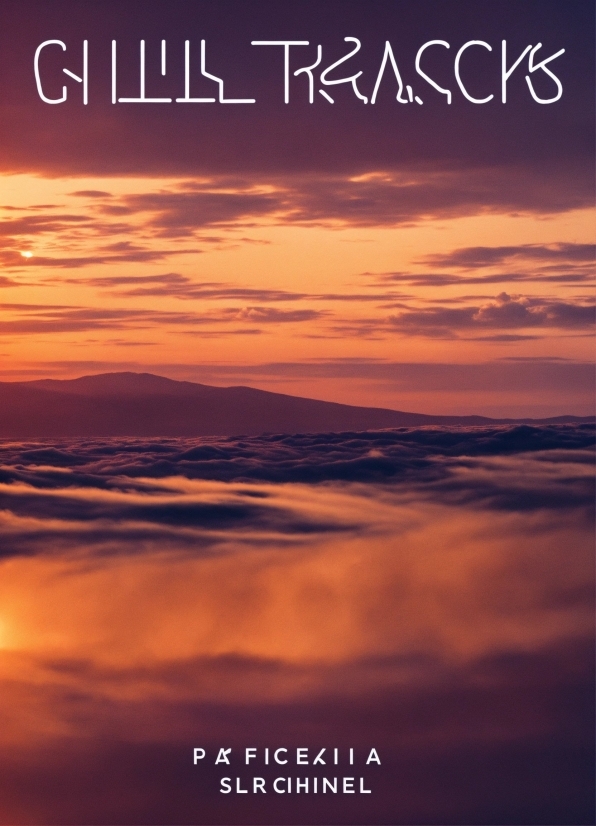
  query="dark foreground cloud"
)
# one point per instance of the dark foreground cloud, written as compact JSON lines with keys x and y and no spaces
{"x":452,"y":750}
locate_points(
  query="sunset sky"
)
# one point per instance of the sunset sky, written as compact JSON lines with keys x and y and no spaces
{"x":427,"y":591}
{"x":434,"y":258}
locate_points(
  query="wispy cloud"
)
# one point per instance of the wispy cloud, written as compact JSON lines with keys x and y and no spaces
{"x":558,"y":263}
{"x":98,"y":229}
{"x":561,"y":376}
{"x":383,"y":198}
{"x":40,"y":318}
{"x":176,"y":285}
{"x":478,"y":257}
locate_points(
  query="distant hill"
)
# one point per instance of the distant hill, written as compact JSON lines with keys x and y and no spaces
{"x":141,"y":404}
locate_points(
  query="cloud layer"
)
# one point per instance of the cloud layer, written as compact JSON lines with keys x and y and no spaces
{"x":426,"y":592}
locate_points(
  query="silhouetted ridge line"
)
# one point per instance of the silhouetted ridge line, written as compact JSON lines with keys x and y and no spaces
{"x":143,"y":404}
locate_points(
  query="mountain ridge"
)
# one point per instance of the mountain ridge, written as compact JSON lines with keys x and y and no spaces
{"x":145,"y":404}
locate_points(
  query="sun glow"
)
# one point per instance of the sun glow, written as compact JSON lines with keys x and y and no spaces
{"x":4,"y":636}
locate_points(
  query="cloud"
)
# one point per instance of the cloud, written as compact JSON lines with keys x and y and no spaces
{"x":36,"y":318}
{"x":32,"y":224}
{"x":190,"y":211}
{"x":503,"y":312}
{"x":478,"y":257}
{"x":560,"y":376}
{"x":175,"y":285}
{"x":469,"y":317}
{"x":33,"y":318}
{"x":181,"y":286}
{"x":307,"y":591}
{"x":558,"y":263}
{"x":456,"y":732}
{"x":273,"y":315}
{"x":12,"y":258}
{"x":91,"y":193}
{"x":380,"y":198}
{"x":80,"y":239}
{"x":568,"y":275}
{"x":180,"y":213}
{"x":417,"y":458}
{"x":299,"y":137}
{"x":99,"y":231}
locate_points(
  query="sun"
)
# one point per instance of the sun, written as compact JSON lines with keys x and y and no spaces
{"x":27,"y":254}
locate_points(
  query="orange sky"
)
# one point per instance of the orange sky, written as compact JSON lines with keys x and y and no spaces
{"x":208,"y":279}
{"x":432,"y":258}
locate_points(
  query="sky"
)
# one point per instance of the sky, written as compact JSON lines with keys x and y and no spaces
{"x":432,"y":257}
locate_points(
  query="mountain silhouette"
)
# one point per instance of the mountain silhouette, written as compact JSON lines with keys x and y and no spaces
{"x":142,"y":404}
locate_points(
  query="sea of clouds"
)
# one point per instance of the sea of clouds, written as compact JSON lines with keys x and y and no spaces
{"x":428,"y":592}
